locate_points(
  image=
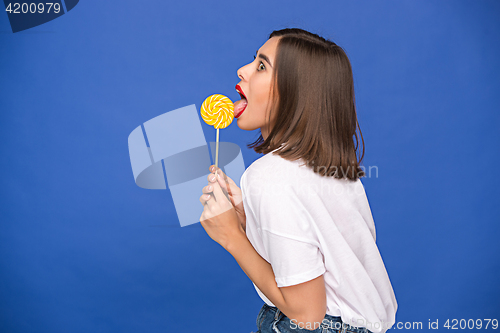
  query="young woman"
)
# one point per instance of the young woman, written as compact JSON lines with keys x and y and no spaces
{"x":300,"y":226}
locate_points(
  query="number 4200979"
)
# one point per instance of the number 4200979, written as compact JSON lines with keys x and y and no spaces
{"x":471,"y":324}
{"x":24,"y":8}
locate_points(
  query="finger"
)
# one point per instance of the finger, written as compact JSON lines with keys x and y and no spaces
{"x":226,"y":186}
{"x":226,"y":182}
{"x":229,"y":186}
{"x":223,"y":182}
{"x":220,"y":172}
{"x":204,"y":198}
{"x":213,"y":168}
{"x":211,"y":178}
{"x":208,"y":189}
{"x":218,"y":192}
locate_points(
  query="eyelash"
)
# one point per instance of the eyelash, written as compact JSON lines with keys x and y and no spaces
{"x":261,"y":63}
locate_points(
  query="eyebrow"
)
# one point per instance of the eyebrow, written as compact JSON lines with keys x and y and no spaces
{"x":266,"y":59}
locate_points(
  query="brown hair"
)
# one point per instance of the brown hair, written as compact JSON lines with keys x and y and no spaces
{"x":314,"y":112}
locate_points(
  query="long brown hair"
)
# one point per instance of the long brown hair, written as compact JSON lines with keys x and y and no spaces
{"x":314,"y":110}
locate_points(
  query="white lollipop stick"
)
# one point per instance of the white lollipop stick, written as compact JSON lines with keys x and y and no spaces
{"x":216,"y":151}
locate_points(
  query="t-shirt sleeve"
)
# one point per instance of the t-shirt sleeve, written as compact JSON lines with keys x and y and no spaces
{"x":286,"y":228}
{"x":293,"y":261}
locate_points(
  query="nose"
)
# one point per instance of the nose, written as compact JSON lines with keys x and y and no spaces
{"x":243,"y":72}
{"x":240,"y":73}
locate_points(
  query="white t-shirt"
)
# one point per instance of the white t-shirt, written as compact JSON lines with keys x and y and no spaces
{"x":306,"y":225}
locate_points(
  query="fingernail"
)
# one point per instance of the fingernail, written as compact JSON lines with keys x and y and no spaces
{"x":212,"y":168}
{"x":210,"y":188}
{"x":212,"y":178}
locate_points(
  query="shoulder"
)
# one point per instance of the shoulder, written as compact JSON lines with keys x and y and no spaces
{"x":271,"y":169}
{"x":275,"y":200}
{"x":274,"y":170}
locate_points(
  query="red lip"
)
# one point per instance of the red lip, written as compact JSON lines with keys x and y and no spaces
{"x":240,"y":91}
{"x":240,"y":105}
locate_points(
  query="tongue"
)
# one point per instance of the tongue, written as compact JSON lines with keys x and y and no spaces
{"x":239,"y":106}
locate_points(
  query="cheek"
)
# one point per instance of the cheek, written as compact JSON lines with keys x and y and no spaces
{"x":261,"y":93}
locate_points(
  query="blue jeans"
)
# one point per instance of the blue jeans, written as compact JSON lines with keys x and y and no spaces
{"x":272,"y":320}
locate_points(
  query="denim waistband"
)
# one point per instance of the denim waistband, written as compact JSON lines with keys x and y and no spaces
{"x":332,"y":323}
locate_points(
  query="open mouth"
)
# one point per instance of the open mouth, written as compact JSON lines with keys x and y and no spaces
{"x":240,"y":105}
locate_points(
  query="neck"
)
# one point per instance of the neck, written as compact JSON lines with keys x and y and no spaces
{"x":264,"y":132}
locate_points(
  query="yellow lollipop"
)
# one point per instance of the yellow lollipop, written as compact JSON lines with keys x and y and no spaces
{"x":218,"y":111}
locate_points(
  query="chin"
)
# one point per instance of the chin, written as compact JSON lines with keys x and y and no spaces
{"x":246,"y":127}
{"x":241,"y":124}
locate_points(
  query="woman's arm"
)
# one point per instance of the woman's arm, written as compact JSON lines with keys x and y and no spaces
{"x":234,"y":195}
{"x":304,"y":304}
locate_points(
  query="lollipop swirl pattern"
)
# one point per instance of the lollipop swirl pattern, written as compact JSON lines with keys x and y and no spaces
{"x":217,"y":110}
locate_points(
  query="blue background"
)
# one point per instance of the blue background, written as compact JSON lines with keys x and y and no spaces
{"x":83,"y":249}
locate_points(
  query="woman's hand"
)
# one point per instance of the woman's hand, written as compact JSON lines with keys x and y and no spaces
{"x":219,"y":217}
{"x":233,"y":192}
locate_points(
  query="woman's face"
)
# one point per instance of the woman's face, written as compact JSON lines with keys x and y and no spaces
{"x":255,"y":86}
